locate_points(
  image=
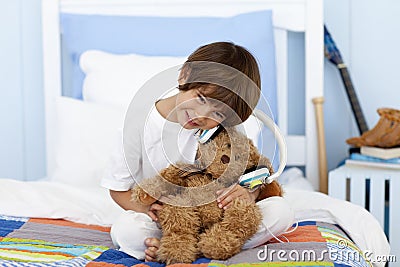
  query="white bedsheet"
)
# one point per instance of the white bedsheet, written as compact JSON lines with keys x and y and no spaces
{"x":362,"y":227}
{"x":94,"y":206}
{"x":357,"y":222}
{"x":55,"y":200}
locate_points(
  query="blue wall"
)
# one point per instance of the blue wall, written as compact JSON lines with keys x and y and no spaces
{"x":366,"y":32}
{"x":11,"y":110}
{"x":21,"y":94}
{"x":339,"y":123}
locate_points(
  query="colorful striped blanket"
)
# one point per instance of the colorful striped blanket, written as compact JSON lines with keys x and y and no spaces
{"x":50,"y":242}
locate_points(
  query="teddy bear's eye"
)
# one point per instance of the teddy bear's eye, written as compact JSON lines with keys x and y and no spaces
{"x":228,"y":145}
{"x":225,"y":159}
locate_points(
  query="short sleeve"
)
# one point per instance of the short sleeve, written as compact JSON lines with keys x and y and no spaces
{"x":118,"y":177}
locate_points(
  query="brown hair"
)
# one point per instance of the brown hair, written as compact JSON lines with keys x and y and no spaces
{"x":239,"y":94}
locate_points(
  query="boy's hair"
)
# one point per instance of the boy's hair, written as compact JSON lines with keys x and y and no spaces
{"x":242,"y":95}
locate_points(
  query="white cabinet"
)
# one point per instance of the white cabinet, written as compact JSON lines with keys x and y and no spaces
{"x":349,"y":182}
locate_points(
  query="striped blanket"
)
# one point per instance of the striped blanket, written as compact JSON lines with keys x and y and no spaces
{"x":49,"y":242}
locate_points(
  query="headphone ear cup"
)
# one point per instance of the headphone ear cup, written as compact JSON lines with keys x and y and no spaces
{"x":218,"y":129}
{"x":207,"y":135}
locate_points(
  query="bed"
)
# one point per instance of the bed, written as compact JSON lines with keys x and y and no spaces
{"x":64,"y":219}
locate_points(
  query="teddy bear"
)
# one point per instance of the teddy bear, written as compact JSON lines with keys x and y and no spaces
{"x":192,"y":223}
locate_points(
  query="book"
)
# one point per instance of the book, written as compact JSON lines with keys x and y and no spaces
{"x":382,"y":153}
{"x":360,"y":157}
{"x":370,"y":164}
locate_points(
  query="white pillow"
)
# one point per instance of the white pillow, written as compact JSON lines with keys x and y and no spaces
{"x":114,"y":79}
{"x":86,"y":134}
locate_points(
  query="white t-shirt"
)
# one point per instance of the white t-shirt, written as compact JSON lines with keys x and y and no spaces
{"x":146,"y":148}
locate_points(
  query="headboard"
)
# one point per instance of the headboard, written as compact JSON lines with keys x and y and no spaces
{"x":288,"y":15}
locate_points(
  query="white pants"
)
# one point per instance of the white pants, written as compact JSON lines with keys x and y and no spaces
{"x":131,"y":229}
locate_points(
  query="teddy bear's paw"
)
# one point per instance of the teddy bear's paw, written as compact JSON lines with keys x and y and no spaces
{"x":144,"y":197}
{"x":183,"y":221}
{"x":176,"y":248}
{"x":242,"y":218}
{"x":210,"y":214}
{"x":219,"y":244}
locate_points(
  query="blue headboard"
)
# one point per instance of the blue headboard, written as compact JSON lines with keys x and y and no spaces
{"x":166,"y":36}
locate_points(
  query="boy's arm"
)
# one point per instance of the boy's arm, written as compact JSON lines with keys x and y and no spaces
{"x":124,"y":200}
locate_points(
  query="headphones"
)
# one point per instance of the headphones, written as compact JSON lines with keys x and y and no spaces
{"x":207,"y":135}
{"x":261,"y":175}
{"x":252,"y":179}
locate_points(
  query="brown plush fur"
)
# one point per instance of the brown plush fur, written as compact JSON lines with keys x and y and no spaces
{"x":191,"y":222}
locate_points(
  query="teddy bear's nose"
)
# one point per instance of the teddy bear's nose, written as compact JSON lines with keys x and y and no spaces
{"x":225,"y":159}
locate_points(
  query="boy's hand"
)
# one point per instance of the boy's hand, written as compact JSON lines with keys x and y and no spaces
{"x":152,"y":244}
{"x":153,"y":211}
{"x":227,"y":195}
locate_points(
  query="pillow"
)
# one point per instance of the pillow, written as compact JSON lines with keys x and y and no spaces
{"x":115,"y":78}
{"x":167,"y":36}
{"x":85,"y":138}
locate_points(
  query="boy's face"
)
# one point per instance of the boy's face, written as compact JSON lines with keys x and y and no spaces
{"x":194,"y":110}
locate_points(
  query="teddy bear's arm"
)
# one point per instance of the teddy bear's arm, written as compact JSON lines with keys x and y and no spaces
{"x":147,"y":192}
{"x":178,"y":173}
{"x":272,"y":189}
{"x":150,"y":190}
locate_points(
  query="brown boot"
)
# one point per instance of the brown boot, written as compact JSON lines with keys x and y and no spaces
{"x":386,"y":132}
